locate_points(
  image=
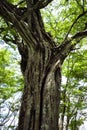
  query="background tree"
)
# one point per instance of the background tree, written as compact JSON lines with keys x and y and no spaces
{"x":10,"y":86}
{"x":73,"y":95}
{"x":41,"y":57}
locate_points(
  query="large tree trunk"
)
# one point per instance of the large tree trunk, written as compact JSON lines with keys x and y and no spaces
{"x":42,"y":76}
{"x":41,"y":71}
{"x":41,"y":96}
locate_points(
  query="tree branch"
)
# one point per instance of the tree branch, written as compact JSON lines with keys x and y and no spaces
{"x":21,"y":2}
{"x":80,"y":34}
{"x":44,"y":4}
{"x":40,"y":4}
{"x":6,"y":7}
{"x":81,"y":5}
{"x":65,"y":48}
{"x":8,"y":12}
{"x":74,"y":24}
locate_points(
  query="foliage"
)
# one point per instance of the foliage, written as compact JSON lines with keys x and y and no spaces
{"x":11,"y":84}
{"x":65,"y":18}
{"x":74,"y":97}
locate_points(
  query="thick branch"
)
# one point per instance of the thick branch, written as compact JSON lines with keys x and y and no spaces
{"x":45,"y":3}
{"x":65,"y":48}
{"x":7,"y":11}
{"x":6,"y":7}
{"x":42,"y":4}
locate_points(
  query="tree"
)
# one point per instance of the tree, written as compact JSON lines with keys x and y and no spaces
{"x":73,"y":95}
{"x":41,"y":58}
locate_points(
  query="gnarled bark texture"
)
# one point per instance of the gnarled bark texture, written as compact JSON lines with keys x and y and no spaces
{"x":41,"y":61}
{"x":41,"y":96}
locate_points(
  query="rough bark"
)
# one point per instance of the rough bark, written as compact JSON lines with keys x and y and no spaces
{"x":42,"y":86}
{"x":38,"y":69}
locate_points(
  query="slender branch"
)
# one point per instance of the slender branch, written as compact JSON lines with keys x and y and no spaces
{"x":80,"y":34}
{"x":44,"y":4}
{"x":80,"y":5}
{"x":74,"y":24}
{"x":21,"y":2}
